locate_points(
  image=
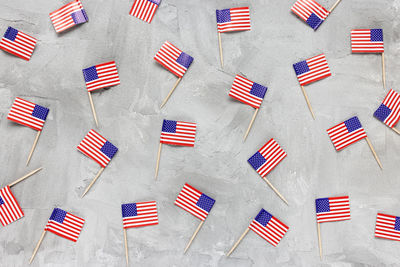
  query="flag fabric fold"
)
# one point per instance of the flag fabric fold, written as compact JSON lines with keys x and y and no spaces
{"x":18,"y":43}
{"x":332,"y":209}
{"x":346,"y":133}
{"x":173,"y":59}
{"x":233,"y":19}
{"x":65,"y":224}
{"x":28,"y":114}
{"x":68,"y":16}
{"x":311,"y":12}
{"x":178,"y":133}
{"x":10,"y":211}
{"x":312,"y":69}
{"x":139,"y":214}
{"x":248,"y":92}
{"x":389,"y":111}
{"x":101,"y":76}
{"x":367,"y":41}
{"x":144,"y":9}
{"x":387,"y":226}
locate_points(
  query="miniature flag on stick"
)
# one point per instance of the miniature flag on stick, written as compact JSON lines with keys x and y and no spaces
{"x":387,"y":226}
{"x":174,"y":60}
{"x":230,"y":20}
{"x":138,"y":215}
{"x":18,"y":43}
{"x":266,"y":159}
{"x":99,"y":149}
{"x":68,"y":16}
{"x":28,"y":114}
{"x":369,"y":41}
{"x":98,"y":77}
{"x":248,"y":92}
{"x":330,"y":210}
{"x":309,"y":71}
{"x":349,"y":132}
{"x":196,"y":203}
{"x":63,"y":224}
{"x":266,"y":226}
{"x":177,"y":133}
{"x":389,"y":111}
{"x":144,"y":9}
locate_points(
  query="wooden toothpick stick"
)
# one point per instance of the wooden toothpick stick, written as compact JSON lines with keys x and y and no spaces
{"x":37,"y":246}
{"x":33,"y":147}
{"x":25,"y":176}
{"x":319,"y":240}
{"x":193,"y":236}
{"x":333,"y":7}
{"x":237,"y":242}
{"x":275,"y":190}
{"x":308,"y":101}
{"x":94,"y":180}
{"x":126,"y":248}
{"x":251,"y":124}
{"x":170,"y":92}
{"x":158,"y":160}
{"x":383,"y":71}
{"x":220,"y":50}
{"x":397,"y":131}
{"x":93,"y":110}
{"x":373,"y":152}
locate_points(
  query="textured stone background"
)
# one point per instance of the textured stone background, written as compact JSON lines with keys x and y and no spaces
{"x":130,"y":117}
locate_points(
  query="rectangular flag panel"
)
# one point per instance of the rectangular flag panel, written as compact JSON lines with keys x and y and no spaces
{"x":194,"y":202}
{"x":28,"y":114}
{"x":389,"y":111}
{"x":65,"y":224}
{"x":346,"y":133}
{"x":18,"y":43}
{"x":248,"y":92}
{"x":233,"y":19}
{"x":387,"y":226}
{"x":268,"y":227}
{"x":144,"y":9}
{"x":173,"y":59}
{"x":68,"y":16}
{"x":139,"y":214}
{"x":267,"y":157}
{"x":332,"y":209}
{"x":367,"y":41}
{"x":312,"y":69}
{"x":101,"y":76}
{"x":10,"y":211}
{"x":178,"y":133}
{"x":97,"y":148}
{"x":311,"y":12}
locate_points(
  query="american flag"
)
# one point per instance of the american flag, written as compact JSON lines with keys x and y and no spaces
{"x":332,"y":209}
{"x":312,"y":69}
{"x":268,"y":227}
{"x":98,"y":148}
{"x":367,"y":41}
{"x":248,"y":92}
{"x":173,"y":59}
{"x":139,"y":214}
{"x":194,"y":202}
{"x":68,"y":16}
{"x":387,"y":226}
{"x":311,"y":12}
{"x":346,"y":133}
{"x":10,"y":211}
{"x":267,"y":157}
{"x":101,"y":76}
{"x":233,"y":19}
{"x":28,"y":114}
{"x":18,"y":43}
{"x":144,"y":9}
{"x":65,"y":224}
{"x":178,"y":133}
{"x":389,"y":111}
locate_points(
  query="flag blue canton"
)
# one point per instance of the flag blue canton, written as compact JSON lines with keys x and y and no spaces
{"x":353,"y":124}
{"x":1,"y":201}
{"x":301,"y":67}
{"x":223,"y":15}
{"x":157,"y":2}
{"x":397,"y":224}
{"x":79,"y":16}
{"x":258,"y":90}
{"x":129,"y":210}
{"x":314,"y":21}
{"x":205,"y":202}
{"x":11,"y":34}
{"x":257,"y":160}
{"x":322,"y":205}
{"x":376,"y":35}
{"x":263,"y":217}
{"x":382,"y":112}
{"x":40,"y":112}
{"x":58,"y":215}
{"x":109,"y":149}
{"x":90,"y":74}
{"x":169,"y":126}
{"x":185,"y":60}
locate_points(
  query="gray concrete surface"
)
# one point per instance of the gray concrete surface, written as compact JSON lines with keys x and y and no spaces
{"x":130,"y":117}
